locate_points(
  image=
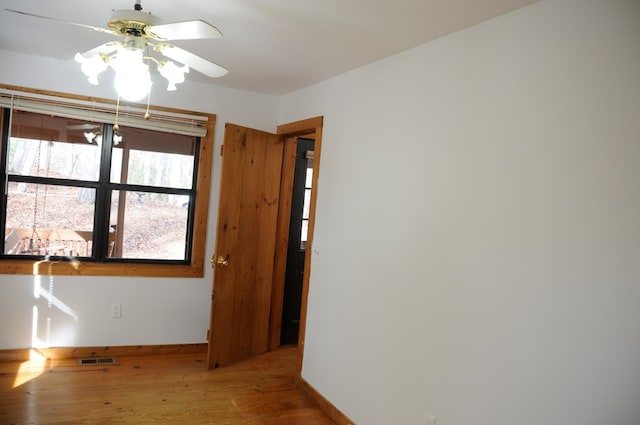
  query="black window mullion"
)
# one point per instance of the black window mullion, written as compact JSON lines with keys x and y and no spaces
{"x":6,"y":117}
{"x":52,"y":181}
{"x":103,"y":197}
{"x":192,"y":202}
{"x":149,"y":189}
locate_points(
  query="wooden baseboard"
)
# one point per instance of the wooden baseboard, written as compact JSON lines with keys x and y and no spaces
{"x":89,"y":352}
{"x":325,"y":405}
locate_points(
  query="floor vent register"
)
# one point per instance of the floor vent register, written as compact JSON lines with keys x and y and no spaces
{"x":98,"y":361}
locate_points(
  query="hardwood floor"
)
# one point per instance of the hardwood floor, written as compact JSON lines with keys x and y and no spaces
{"x":162,"y":389}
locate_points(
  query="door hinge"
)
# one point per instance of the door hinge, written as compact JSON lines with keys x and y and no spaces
{"x":208,"y":332}
{"x":221,"y":150}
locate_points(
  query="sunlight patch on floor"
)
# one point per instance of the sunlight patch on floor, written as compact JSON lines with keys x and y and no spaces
{"x":30,"y":369}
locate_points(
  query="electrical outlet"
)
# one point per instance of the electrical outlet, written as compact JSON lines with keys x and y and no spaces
{"x":116,"y":311}
{"x":429,"y":419}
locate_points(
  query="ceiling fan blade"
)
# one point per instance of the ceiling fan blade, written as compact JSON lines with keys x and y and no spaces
{"x":104,"y":30}
{"x":189,"y":30}
{"x":82,"y":127}
{"x":209,"y":69}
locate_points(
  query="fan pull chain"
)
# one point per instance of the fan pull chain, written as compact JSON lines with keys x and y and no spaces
{"x":116,"y":127}
{"x":147,"y":115}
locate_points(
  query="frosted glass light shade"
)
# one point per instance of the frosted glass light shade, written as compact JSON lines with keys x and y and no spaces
{"x":173,"y":73}
{"x":91,"y":66}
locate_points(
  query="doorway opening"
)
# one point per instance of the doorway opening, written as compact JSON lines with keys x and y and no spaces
{"x":297,"y":241}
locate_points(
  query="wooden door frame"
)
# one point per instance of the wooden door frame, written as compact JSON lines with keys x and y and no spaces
{"x":312,"y":129}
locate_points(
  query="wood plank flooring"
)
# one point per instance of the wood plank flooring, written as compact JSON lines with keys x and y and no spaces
{"x":159,"y":389}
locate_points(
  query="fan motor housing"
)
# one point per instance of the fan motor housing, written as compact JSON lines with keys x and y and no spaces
{"x":132,"y":22}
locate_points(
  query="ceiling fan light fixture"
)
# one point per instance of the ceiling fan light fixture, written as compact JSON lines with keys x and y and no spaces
{"x":142,"y":32}
{"x":91,"y":66}
{"x":93,"y":138}
{"x":117,"y":138}
{"x":173,"y":73}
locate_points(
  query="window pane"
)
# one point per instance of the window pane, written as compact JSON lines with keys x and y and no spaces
{"x":152,"y":158}
{"x":56,"y":147}
{"x":46,"y":219}
{"x":307,"y":204}
{"x":309,"y":175}
{"x":149,"y":225}
{"x":303,"y":234}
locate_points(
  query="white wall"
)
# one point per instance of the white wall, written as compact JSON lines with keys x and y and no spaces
{"x":154,"y":311}
{"x":477,"y":248}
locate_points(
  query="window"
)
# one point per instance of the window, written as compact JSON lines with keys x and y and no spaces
{"x":104,"y":199}
{"x":304,"y":229}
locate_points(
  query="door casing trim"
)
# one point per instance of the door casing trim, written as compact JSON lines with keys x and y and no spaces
{"x":309,"y":128}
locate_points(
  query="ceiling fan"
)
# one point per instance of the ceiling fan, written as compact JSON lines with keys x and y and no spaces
{"x":142,"y":34}
{"x":92,"y":132}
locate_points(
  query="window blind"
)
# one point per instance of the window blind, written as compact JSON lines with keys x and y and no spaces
{"x":96,"y":111}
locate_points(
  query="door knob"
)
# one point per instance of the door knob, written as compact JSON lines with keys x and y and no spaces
{"x":220,"y":261}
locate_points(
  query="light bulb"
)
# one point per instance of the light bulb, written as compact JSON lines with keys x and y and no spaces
{"x":132,"y":80}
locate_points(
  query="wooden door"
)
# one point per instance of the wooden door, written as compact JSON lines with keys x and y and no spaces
{"x":245,"y":245}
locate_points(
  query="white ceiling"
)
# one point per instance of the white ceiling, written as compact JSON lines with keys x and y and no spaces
{"x":269,"y":46}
